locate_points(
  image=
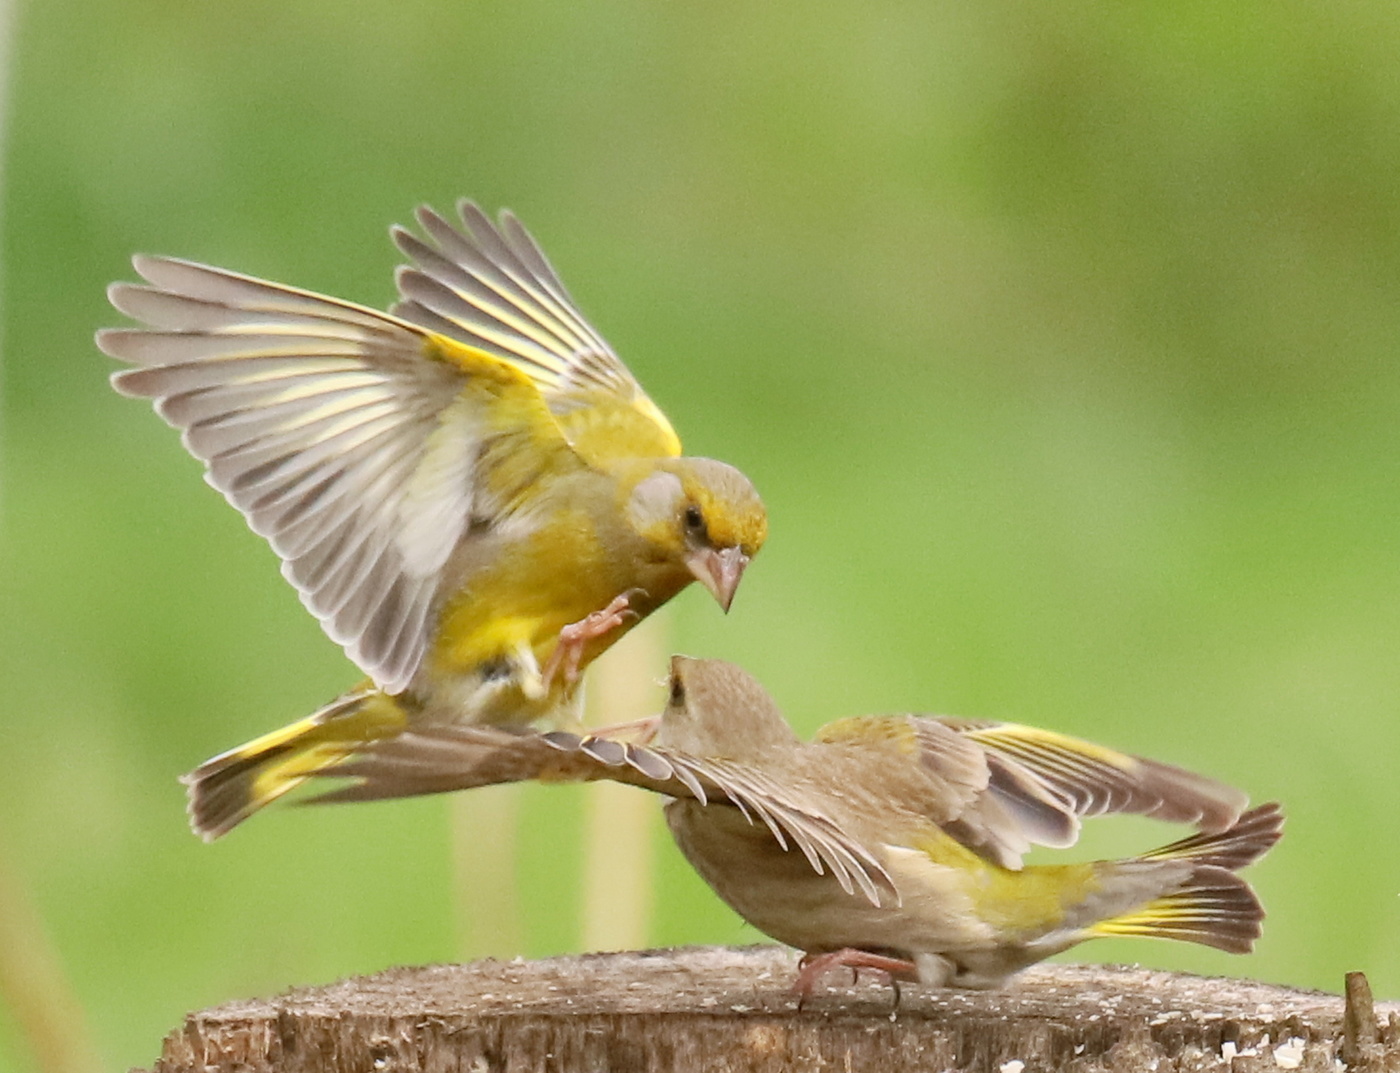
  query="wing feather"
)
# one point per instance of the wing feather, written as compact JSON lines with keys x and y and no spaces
{"x":476,"y":292}
{"x":360,"y":445}
{"x":1094,"y":780}
{"x":442,"y":757}
{"x":489,"y":286}
{"x":513,"y":260}
{"x":1000,"y":788}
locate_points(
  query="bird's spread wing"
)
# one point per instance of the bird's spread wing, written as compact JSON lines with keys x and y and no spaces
{"x":490,"y":286}
{"x":443,"y":757}
{"x":990,"y":805}
{"x":1094,"y":780}
{"x":1000,"y":788}
{"x":362,"y":446}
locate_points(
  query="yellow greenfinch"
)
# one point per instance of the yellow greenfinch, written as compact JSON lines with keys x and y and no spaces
{"x":911,"y":829}
{"x":470,"y":492}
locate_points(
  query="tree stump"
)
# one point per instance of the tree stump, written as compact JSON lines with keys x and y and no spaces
{"x":718,"y":1009}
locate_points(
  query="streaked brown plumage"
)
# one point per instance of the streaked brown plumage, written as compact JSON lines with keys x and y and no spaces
{"x":909,"y":830}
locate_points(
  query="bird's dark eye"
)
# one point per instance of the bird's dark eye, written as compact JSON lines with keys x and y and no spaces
{"x":693,"y":518}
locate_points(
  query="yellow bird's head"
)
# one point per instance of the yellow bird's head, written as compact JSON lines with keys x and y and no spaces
{"x":704,"y":514}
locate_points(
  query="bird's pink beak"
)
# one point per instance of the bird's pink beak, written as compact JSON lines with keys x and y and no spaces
{"x":719,"y":571}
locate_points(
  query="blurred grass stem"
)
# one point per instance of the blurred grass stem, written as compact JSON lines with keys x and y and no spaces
{"x":485,"y":851}
{"x":33,"y":986}
{"x":618,"y":881}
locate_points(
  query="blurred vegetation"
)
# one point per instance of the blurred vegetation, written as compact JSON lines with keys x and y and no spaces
{"x":1061,"y":340}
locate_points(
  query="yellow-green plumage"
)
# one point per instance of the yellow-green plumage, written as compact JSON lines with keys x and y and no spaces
{"x":1027,"y":900}
{"x":470,"y":492}
{"x":237,"y":783}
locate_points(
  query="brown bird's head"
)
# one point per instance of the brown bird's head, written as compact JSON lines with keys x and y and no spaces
{"x":702,"y":513}
{"x":716,"y":709}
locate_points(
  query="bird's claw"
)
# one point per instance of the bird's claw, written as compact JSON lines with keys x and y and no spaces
{"x":574,"y":638}
{"x":812,"y":967}
{"x":642,"y":731}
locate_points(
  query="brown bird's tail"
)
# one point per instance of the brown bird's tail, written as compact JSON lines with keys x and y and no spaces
{"x":226,"y":789}
{"x":1212,"y":906}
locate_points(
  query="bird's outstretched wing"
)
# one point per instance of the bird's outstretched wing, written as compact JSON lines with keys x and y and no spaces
{"x":1001,"y":788}
{"x":443,"y":757}
{"x":1095,"y":780}
{"x":361,"y":445}
{"x":489,"y":285}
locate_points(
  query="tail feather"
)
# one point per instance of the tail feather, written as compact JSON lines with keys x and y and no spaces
{"x":226,"y":789}
{"x":1216,"y":908}
{"x":1213,"y":906}
{"x":1243,"y":843}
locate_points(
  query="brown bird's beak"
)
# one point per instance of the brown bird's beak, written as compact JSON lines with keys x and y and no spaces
{"x":719,"y":571}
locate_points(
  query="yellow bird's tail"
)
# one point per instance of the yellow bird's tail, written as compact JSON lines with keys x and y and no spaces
{"x":1213,"y":906}
{"x":226,"y":789}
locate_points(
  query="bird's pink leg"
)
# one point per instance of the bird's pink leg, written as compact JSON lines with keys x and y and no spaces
{"x":574,"y":638}
{"x":813,"y":967}
{"x":644,"y":730}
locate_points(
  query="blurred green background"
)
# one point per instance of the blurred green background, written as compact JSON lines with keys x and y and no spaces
{"x":1060,"y":339}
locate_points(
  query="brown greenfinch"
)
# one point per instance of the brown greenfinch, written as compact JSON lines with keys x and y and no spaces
{"x":890,"y":842}
{"x":470,"y":492}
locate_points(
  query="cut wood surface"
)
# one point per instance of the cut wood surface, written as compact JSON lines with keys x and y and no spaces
{"x":720,"y":1009}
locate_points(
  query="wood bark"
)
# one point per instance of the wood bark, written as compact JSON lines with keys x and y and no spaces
{"x":721,"y":1010}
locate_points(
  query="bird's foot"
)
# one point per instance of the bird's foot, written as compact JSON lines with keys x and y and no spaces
{"x":813,"y":967}
{"x":574,"y":638}
{"x":641,"y":731}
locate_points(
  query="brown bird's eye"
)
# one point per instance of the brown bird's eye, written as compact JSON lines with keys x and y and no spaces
{"x":693,"y":518}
